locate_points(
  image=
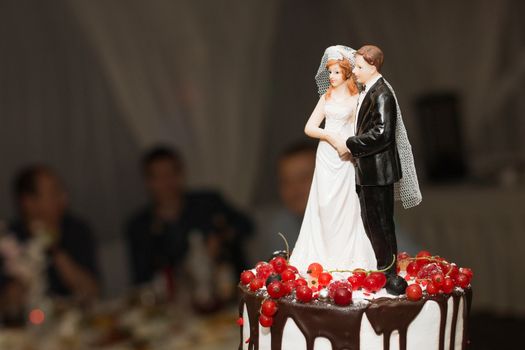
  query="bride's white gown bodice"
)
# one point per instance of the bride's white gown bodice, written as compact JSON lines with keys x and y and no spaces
{"x":332,"y":232}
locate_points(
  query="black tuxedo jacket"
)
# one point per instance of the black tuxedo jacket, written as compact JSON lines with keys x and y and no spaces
{"x":374,"y":144}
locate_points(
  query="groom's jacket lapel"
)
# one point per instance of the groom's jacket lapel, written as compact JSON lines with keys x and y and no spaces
{"x":363,"y":111}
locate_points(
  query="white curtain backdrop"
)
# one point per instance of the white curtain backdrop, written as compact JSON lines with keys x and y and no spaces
{"x":192,"y":73}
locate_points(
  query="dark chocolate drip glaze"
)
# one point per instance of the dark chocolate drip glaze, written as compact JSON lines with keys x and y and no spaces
{"x":443,"y":308}
{"x":342,"y":325}
{"x":466,"y":313}
{"x":387,"y":315}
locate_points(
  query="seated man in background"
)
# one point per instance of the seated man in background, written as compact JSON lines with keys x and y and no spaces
{"x":295,"y":169}
{"x":162,"y":235}
{"x":42,"y":207}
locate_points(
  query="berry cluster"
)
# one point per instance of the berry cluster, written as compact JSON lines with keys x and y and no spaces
{"x":431,"y":273}
{"x":426,"y":273}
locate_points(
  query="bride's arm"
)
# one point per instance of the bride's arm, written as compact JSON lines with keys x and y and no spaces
{"x":313,"y":130}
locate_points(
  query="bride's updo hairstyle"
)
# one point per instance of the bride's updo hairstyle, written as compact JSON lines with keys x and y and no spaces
{"x":346,"y":69}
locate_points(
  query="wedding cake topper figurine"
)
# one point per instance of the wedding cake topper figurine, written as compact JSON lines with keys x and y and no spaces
{"x":364,"y":160}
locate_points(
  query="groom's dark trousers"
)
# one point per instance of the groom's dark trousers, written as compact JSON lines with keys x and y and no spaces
{"x":377,"y":169}
{"x":377,"y":212}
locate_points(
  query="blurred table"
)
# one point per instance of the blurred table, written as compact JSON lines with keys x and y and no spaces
{"x":117,"y":325}
{"x":478,"y":227}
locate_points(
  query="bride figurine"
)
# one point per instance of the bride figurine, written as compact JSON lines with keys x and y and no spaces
{"x":332,"y":232}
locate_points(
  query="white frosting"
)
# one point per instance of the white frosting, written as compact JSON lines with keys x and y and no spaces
{"x":423,"y":332}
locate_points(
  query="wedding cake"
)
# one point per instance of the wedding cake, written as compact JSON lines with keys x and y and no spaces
{"x":281,"y":308}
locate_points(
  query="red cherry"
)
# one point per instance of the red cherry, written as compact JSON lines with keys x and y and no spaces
{"x":288,"y":275}
{"x":412,"y":268}
{"x":269,"y":308}
{"x":256,"y":284}
{"x":303,"y":293}
{"x":324,"y":279}
{"x":300,"y":282}
{"x":448,"y":285}
{"x":381,"y":278}
{"x":343,"y":296}
{"x":265,"y":321}
{"x":468,"y":272}
{"x":288,"y":287}
{"x":279,"y":264}
{"x":315,"y":269}
{"x":247,"y":277}
{"x":432,"y":289}
{"x":275,"y":289}
{"x":438,"y":279}
{"x":462,"y":280}
{"x":414,"y":292}
{"x":264,"y":270}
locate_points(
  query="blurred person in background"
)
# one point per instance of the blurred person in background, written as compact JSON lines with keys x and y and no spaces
{"x":178,"y":227}
{"x":295,"y":169}
{"x":67,"y":249}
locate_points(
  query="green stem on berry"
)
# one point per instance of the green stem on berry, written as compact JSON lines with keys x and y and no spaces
{"x":287,"y":246}
{"x":368,"y":271}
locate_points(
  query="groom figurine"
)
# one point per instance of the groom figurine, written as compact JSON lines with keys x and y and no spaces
{"x":377,"y":161}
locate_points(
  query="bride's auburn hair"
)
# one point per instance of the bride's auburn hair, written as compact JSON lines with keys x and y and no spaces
{"x":346,"y":69}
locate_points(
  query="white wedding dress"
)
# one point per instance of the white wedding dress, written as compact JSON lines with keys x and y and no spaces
{"x":332,"y":232}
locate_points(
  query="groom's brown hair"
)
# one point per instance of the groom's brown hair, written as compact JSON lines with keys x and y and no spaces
{"x":372,"y":55}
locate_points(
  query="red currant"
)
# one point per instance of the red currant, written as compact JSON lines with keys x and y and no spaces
{"x":332,"y":287}
{"x":372,"y":284}
{"x":428,"y":270}
{"x":468,"y":272}
{"x":293,"y":268}
{"x":300,"y":282}
{"x":438,"y":279}
{"x":414,"y":292}
{"x":315,"y":269}
{"x":269,"y":308}
{"x":324,"y":279}
{"x":247,"y":277}
{"x":256,"y":284}
{"x":448,"y":285}
{"x":264,"y":270}
{"x":462,"y":280}
{"x":279,"y":264}
{"x":275,"y":289}
{"x":288,"y":287}
{"x":240,"y":321}
{"x":380,"y":277}
{"x":265,"y":321}
{"x":412,"y":268}
{"x":303,"y":293}
{"x":402,"y":256}
{"x":355,"y":282}
{"x":421,"y":261}
{"x":432,"y":289}
{"x":288,"y":275}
